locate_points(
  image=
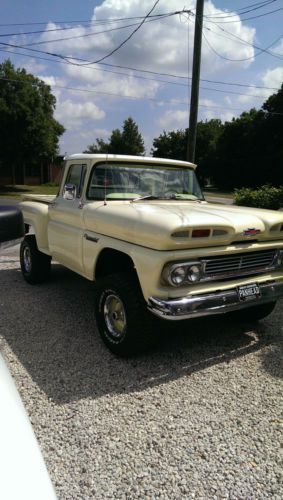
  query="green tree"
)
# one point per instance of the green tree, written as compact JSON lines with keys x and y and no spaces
{"x":29,"y":133}
{"x":174,"y":145}
{"x":129,"y":141}
{"x":250,"y":150}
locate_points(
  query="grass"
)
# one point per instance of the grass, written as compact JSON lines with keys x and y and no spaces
{"x":18,"y":190}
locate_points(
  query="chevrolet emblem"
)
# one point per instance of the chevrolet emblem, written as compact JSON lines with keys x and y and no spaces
{"x":251,"y":232}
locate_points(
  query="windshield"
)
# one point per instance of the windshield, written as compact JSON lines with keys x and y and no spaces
{"x":126,"y":181}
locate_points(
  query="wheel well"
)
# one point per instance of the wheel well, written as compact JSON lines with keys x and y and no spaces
{"x":111,"y":262}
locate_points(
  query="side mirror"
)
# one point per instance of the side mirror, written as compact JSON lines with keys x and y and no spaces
{"x":11,"y":224}
{"x":69,"y":192}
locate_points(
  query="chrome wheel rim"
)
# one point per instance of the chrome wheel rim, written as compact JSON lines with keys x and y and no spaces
{"x":114,"y":315}
{"x":27,"y":259}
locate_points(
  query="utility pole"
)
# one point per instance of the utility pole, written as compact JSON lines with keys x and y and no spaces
{"x":191,"y":145}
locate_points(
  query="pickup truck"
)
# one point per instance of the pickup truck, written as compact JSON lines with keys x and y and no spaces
{"x":141,"y":229}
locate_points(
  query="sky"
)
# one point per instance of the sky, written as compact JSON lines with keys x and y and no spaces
{"x":74,"y":47}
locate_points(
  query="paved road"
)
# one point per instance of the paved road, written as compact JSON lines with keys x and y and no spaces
{"x":9,"y":201}
{"x":216,"y":199}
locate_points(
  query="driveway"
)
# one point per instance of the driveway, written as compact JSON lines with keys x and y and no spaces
{"x":196,"y":417}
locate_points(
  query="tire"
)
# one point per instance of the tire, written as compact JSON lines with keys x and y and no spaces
{"x":124,"y":323}
{"x":254,"y":313}
{"x":35,"y":265}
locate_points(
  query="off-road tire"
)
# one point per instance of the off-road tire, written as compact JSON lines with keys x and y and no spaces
{"x":120,"y":294}
{"x":35,"y":265}
{"x":254,"y":313}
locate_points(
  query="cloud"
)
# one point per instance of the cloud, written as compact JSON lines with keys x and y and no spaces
{"x":271,"y":78}
{"x":108,"y":82}
{"x":73,"y":114}
{"x":174,"y":119}
{"x":161,"y":45}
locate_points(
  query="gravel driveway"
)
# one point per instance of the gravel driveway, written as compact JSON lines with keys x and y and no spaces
{"x":196,"y":417}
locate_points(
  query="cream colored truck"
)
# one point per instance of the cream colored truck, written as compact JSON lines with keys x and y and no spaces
{"x":142,"y":230}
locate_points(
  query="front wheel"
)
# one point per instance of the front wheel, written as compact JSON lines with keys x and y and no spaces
{"x":123,"y":320}
{"x":35,"y":265}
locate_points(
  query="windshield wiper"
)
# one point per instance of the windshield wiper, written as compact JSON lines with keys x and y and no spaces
{"x":146,"y":197}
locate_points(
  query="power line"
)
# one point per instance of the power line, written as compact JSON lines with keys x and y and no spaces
{"x":252,"y":17}
{"x":112,"y":94}
{"x":128,"y":37}
{"x":245,"y":42}
{"x":244,"y":10}
{"x":94,"y":32}
{"x":88,"y":21}
{"x":245,"y":58}
{"x":172,"y":83}
{"x":94,"y":23}
{"x":218,"y":82}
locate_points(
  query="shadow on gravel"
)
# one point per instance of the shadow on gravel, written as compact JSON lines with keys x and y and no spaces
{"x":51,"y":330}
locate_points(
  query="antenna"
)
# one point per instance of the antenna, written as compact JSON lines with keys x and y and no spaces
{"x":105,"y":173}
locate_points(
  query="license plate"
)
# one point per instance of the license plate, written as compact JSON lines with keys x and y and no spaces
{"x":248,"y":292}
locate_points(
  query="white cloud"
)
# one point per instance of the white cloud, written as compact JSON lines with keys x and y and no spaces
{"x":273,"y":78}
{"x":174,"y":119}
{"x":74,"y":114}
{"x":161,"y":45}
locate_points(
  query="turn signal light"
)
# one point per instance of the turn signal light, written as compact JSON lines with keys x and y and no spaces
{"x":200,"y":233}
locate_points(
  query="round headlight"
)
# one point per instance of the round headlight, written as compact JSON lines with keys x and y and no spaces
{"x":178,"y":275}
{"x":193,"y":273}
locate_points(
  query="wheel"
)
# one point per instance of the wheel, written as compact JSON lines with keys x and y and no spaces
{"x":254,"y":313}
{"x":35,"y":265}
{"x":123,"y":321}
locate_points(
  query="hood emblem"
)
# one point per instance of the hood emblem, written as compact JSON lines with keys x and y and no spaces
{"x":251,"y":232}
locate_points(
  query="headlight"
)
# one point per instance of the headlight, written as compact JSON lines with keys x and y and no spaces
{"x":182,"y":273}
{"x":178,"y":276}
{"x":194,"y":273}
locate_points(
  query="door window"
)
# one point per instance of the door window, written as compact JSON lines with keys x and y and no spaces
{"x":76,"y":176}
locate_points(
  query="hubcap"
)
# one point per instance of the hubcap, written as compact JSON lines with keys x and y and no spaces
{"x":27,"y":259}
{"x":114,"y":315}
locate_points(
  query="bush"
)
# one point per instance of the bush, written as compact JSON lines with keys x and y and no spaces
{"x":264,"y":197}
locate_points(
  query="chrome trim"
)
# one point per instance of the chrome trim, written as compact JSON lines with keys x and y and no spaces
{"x":225,"y":261}
{"x":212,"y":303}
{"x":171,"y":266}
{"x":241,"y":272}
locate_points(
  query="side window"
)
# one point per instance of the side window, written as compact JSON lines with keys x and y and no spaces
{"x":76,"y":176}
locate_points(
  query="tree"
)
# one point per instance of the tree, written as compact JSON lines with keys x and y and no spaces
{"x":250,"y":150}
{"x":29,"y":132}
{"x":129,"y":141}
{"x":174,"y":145}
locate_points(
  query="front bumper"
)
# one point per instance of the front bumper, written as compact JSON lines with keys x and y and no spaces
{"x":212,"y":303}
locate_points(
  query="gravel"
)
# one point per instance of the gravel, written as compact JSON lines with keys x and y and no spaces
{"x":196,"y":417}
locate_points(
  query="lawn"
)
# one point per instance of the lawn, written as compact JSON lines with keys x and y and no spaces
{"x":18,"y":190}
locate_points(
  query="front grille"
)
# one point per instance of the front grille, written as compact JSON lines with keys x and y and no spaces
{"x":240,"y":264}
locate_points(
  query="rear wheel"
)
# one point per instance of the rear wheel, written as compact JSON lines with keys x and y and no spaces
{"x":254,"y":313}
{"x":123,"y":320}
{"x":35,"y":265}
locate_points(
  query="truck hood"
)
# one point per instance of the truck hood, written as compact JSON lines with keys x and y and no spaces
{"x":168,"y":225}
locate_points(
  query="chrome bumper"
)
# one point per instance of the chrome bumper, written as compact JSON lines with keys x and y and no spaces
{"x":212,"y":303}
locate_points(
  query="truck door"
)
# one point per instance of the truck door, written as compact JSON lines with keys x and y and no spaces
{"x":65,"y":226}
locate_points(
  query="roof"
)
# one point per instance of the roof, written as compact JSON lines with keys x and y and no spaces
{"x":128,"y":158}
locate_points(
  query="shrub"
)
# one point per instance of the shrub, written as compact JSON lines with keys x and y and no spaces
{"x":269,"y":197}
